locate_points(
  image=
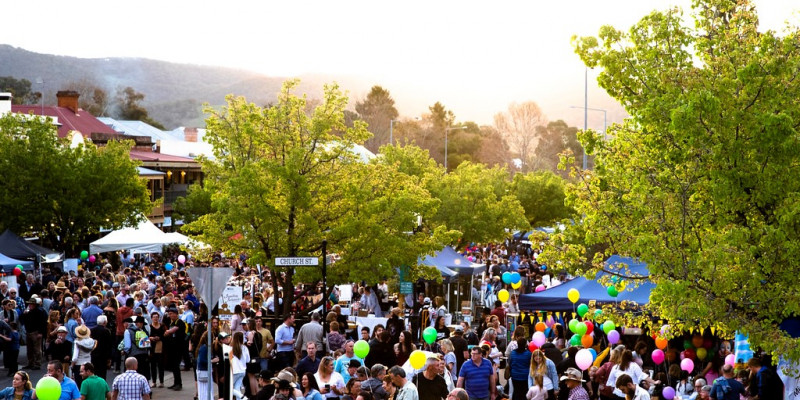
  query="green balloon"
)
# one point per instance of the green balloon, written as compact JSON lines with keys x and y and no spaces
{"x":598,"y":313}
{"x":575,"y":340}
{"x":84,"y":255}
{"x":573,"y":325}
{"x":581,"y":329}
{"x":361,"y":348}
{"x":612,"y":291}
{"x":48,"y":388}
{"x":608,"y":326}
{"x":687,"y":344}
{"x":429,"y":335}
{"x":583,"y":309}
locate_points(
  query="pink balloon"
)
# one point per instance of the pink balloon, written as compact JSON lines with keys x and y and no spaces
{"x":584,"y":359}
{"x":730,"y":359}
{"x":613,"y":337}
{"x":687,"y":365}
{"x":540,"y":288}
{"x":92,"y":258}
{"x":181,"y":259}
{"x":658,"y":356}
{"x":668,"y":393}
{"x":539,"y":339}
{"x":550,"y":321}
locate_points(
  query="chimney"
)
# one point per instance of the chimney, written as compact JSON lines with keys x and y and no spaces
{"x":5,"y":103}
{"x":190,"y":135}
{"x":68,"y":99}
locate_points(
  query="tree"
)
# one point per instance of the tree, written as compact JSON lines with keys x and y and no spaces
{"x":377,"y":110}
{"x":701,"y":181}
{"x":493,"y":150}
{"x":92,"y":98}
{"x":65,"y":194}
{"x":476,"y":201}
{"x":195,"y":204}
{"x":20,"y":90}
{"x":554,"y":139}
{"x":542,"y":195}
{"x":128,"y":107}
{"x":286,"y":181}
{"x":519,"y":127}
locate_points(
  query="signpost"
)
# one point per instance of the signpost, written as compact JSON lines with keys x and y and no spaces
{"x":296,"y":261}
{"x":406,"y":288}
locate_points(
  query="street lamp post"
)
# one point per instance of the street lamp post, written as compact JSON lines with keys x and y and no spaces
{"x":605,"y":117}
{"x":446,"y":130}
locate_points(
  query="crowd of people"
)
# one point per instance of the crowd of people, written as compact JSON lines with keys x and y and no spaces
{"x":141,"y":321}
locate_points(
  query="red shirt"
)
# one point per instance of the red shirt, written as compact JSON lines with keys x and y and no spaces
{"x":123,"y":313}
{"x":501,"y":314}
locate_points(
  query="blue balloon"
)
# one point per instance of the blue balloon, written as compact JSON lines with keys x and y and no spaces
{"x":168,"y":266}
{"x":594,"y":353}
{"x":515,"y":277}
{"x":507,"y":278}
{"x":544,"y":267}
{"x":547,"y":332}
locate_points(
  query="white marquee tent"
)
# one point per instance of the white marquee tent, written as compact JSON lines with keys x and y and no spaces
{"x":145,"y":238}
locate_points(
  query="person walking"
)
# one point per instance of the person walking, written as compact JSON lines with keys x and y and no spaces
{"x":310,"y":332}
{"x":520,"y":366}
{"x":543,"y":367}
{"x":21,"y":388}
{"x":93,"y":387}
{"x":430,"y":385}
{"x":477,"y":376}
{"x":130,"y":385}
{"x":727,"y":387}
{"x":81,"y":351}
{"x":157,"y":330}
{"x":100,"y":356}
{"x":136,"y":343}
{"x":574,"y":381}
{"x":239,"y":357}
{"x":175,"y":342}
{"x":406,"y":389}
{"x":203,"y":372}
{"x":34,"y":319}
{"x":11,"y":349}
{"x":69,"y":390}
{"x":284,"y":337}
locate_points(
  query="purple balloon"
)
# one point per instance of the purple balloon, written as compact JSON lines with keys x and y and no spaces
{"x":613,"y":337}
{"x":668,"y":393}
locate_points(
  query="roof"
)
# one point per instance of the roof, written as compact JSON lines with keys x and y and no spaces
{"x":81,"y":121}
{"x":159,"y":157}
{"x":148,"y":172}
{"x":137,"y":128}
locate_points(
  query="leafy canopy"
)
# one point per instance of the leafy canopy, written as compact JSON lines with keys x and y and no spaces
{"x":701,"y":181}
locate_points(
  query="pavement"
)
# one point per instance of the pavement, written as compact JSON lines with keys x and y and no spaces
{"x":187,"y":377}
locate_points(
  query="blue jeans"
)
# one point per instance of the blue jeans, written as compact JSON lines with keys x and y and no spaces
{"x":237,"y":385}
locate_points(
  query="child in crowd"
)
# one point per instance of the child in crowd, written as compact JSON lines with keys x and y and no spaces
{"x":11,"y":349}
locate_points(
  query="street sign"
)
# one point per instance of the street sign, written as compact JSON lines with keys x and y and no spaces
{"x":296,"y":261}
{"x":406,"y":288}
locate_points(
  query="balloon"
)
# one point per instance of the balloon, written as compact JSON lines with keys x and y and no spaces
{"x":668,"y":393}
{"x":540,"y":288}
{"x":417,"y":359}
{"x":84,"y":254}
{"x":730,"y":359}
{"x":573,"y":325}
{"x":550,"y":321}
{"x":515,"y":278}
{"x":594,"y":354}
{"x":92,"y":258}
{"x":516,"y":285}
{"x":614,"y":279}
{"x":690,"y":354}
{"x":582,"y":309}
{"x":661,"y":343}
{"x":707,"y":343}
{"x":608,"y":326}
{"x":17,"y":271}
{"x":580,"y":328}
{"x":532,"y":346}
{"x":502,"y":295}
{"x":702,"y":353}
{"x":48,"y":388}
{"x":541,"y":326}
{"x":687,"y":365}
{"x":613,"y":337}
{"x":658,"y":356}
{"x":587,"y":341}
{"x":687,"y":344}
{"x":664,"y":330}
{"x":573,"y":295}
{"x":361,"y":348}
{"x":169,"y":266}
{"x":429,"y":335}
{"x":182,"y":259}
{"x":539,"y":339}
{"x":671,"y":354}
{"x":612,"y":291}
{"x":575,"y":340}
{"x":583,"y":359}
{"x":589,"y":327}
{"x":543,"y":267}
{"x":598,"y":313}
{"x":507,"y":278}
{"x":697,"y":341}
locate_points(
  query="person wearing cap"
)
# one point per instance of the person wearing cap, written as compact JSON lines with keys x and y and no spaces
{"x":284,"y":390}
{"x":136,"y":343}
{"x":632,"y":391}
{"x":574,"y":380}
{"x":267,"y":389}
{"x":35,"y":321}
{"x":342,"y":363}
{"x":175,"y":345}
{"x":477,"y":376}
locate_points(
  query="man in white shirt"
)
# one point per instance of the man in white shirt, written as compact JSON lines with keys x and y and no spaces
{"x":633,"y":392}
{"x":407,"y":390}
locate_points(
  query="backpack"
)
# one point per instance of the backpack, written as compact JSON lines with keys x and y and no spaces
{"x":141,"y":340}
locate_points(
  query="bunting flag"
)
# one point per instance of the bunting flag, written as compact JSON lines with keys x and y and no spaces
{"x":712,"y":331}
{"x":532,"y":320}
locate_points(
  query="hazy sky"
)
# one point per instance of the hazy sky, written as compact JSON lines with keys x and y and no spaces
{"x":475,"y":57}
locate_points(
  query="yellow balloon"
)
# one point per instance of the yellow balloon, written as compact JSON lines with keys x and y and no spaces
{"x":701,"y":353}
{"x":502,"y":295}
{"x":417,"y":359}
{"x":516,"y":285}
{"x":573,"y":295}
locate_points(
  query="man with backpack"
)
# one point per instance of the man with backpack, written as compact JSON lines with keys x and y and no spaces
{"x":136,"y":343}
{"x":727,"y":387}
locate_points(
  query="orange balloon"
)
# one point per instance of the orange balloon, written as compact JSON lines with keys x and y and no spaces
{"x":671,"y":355}
{"x":541,"y":326}
{"x":697,"y":341}
{"x":661,"y":343}
{"x":587,"y":341}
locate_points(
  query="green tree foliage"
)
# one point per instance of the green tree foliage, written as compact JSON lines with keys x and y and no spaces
{"x":377,"y":110}
{"x":65,"y":194}
{"x":286,"y":180}
{"x":128,"y":107}
{"x":195,"y":204}
{"x":542,"y":195}
{"x":701,"y":181}
{"x":476,"y":200}
{"x":554,"y":139}
{"x":20,"y":90}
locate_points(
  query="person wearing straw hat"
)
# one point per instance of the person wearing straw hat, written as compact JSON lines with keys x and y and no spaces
{"x":81,"y":351}
{"x":574,"y":380}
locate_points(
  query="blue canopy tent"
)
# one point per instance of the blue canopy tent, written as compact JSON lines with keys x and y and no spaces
{"x":9,"y":263}
{"x":452,"y":267}
{"x":555,"y":299}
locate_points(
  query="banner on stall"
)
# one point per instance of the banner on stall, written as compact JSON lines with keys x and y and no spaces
{"x":230,"y":298}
